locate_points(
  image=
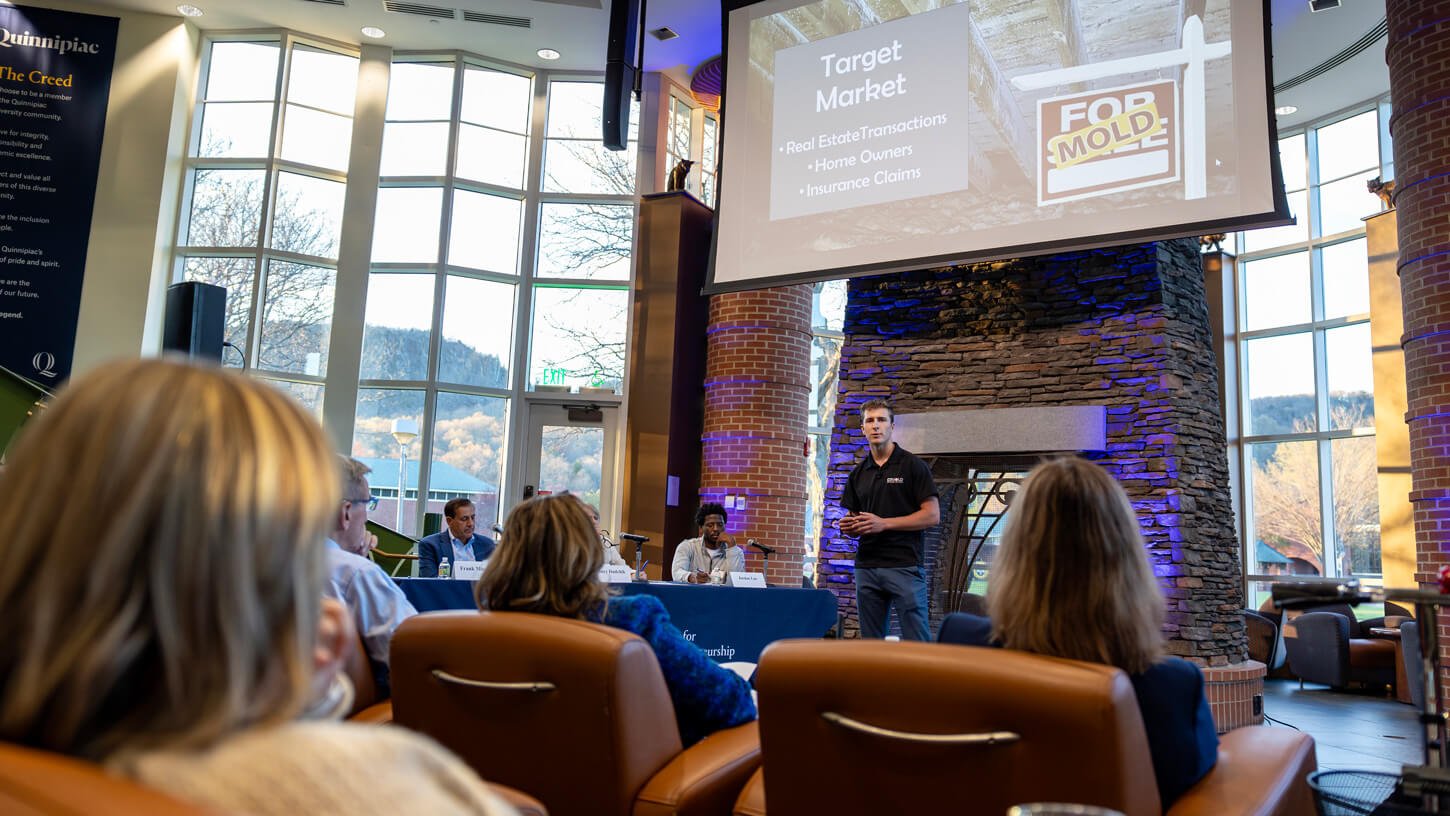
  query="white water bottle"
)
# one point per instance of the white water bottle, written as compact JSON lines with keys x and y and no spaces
{"x":444,"y":570}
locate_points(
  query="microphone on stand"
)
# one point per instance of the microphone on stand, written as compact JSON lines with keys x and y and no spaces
{"x":639,"y":541}
{"x":765,"y":553}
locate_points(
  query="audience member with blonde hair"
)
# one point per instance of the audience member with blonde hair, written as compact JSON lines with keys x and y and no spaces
{"x":548,"y":563}
{"x":1071,"y":579}
{"x":181,"y":645}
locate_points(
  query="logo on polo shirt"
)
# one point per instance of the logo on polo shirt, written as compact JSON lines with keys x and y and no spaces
{"x":895,"y":480}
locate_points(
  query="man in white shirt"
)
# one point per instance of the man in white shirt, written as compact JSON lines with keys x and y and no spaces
{"x":376,"y":603}
{"x":697,"y":559}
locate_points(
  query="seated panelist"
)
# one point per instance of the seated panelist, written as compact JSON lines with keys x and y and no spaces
{"x":697,"y":559}
{"x":612,"y":556}
{"x":456,"y":541}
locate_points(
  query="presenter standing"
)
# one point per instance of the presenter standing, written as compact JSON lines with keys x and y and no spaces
{"x":696,"y":559}
{"x":890,"y":499}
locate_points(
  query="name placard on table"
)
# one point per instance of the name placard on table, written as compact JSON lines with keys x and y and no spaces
{"x":469,"y":570}
{"x":746,"y":579}
{"x":615,"y":574}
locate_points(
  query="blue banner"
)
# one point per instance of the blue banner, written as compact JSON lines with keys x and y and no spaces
{"x":55,"y":80}
{"x":731,"y":625}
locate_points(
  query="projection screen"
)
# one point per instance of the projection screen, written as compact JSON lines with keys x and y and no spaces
{"x":865,"y":136}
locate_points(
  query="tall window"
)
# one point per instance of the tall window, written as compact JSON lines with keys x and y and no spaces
{"x":709,"y":158}
{"x":500,"y":249}
{"x":828,"y":315}
{"x":693,"y":133}
{"x":265,"y":181}
{"x":1306,"y":392}
{"x":680,"y":129}
{"x":490,"y":281}
{"x":439,"y":329}
{"x":586,"y":243}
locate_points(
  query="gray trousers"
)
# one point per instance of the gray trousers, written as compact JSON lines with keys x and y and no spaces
{"x":880,"y":588}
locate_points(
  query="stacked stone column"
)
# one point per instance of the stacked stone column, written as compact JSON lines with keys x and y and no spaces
{"x":1418,"y":53}
{"x":757,"y":382}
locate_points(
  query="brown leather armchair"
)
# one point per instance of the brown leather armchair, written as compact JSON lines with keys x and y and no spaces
{"x":39,"y":783}
{"x":574,"y":713}
{"x":935,"y":728}
{"x":368,"y":704}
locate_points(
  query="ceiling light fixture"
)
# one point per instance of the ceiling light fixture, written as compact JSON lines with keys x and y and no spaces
{"x":548,"y":54}
{"x":374,"y":32}
{"x":186,"y":10}
{"x":1285,"y":110}
{"x":1323,"y":5}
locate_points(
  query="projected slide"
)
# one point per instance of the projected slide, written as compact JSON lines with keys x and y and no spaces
{"x":871,"y":135}
{"x":858,"y":116}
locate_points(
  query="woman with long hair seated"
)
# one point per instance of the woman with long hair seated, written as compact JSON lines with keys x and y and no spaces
{"x":177,"y":632}
{"x":548,"y":563}
{"x":1071,"y":579}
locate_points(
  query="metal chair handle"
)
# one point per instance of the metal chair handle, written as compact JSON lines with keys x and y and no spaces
{"x":484,"y":684}
{"x":982,"y":738}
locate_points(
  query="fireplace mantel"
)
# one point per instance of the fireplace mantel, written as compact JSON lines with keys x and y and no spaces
{"x":1034,"y":429}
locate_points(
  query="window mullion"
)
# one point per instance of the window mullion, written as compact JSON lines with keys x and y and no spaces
{"x":440,"y":285}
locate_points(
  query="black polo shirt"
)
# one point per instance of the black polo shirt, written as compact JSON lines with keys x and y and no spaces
{"x":890,"y":491}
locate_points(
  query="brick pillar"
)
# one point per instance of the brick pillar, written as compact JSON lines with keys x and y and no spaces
{"x":1418,"y":53}
{"x":757,"y":381}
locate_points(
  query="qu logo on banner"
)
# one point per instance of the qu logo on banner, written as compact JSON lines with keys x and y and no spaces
{"x":44,"y":363}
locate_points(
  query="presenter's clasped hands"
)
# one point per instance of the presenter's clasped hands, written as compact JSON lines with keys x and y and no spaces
{"x":859,"y":524}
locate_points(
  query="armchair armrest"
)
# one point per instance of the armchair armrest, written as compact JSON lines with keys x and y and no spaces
{"x":705,"y":778}
{"x":375,"y":714}
{"x":525,"y":804}
{"x":1361,"y":628}
{"x":1260,"y":772}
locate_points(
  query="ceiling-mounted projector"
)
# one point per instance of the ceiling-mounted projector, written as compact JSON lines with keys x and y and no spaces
{"x":1323,"y":5}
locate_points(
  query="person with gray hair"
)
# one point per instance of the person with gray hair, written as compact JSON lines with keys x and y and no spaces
{"x":377,"y":605}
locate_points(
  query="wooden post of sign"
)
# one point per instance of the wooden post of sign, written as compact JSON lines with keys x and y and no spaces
{"x":1191,"y":55}
{"x":1195,"y":115}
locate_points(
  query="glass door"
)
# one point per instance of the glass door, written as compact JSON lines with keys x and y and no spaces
{"x":572,"y":447}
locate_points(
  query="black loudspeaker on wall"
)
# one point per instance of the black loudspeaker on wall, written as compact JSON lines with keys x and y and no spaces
{"x":195,"y":319}
{"x":619,"y":71}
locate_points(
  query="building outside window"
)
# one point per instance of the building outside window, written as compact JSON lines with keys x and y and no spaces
{"x":1306,"y":391}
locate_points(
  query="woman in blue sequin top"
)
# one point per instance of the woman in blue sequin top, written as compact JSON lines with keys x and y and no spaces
{"x":548,"y":563}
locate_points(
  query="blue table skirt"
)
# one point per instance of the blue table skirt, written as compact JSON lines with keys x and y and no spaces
{"x":730,"y":624}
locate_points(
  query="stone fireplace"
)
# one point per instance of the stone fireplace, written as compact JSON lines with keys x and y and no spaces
{"x":1120,"y":331}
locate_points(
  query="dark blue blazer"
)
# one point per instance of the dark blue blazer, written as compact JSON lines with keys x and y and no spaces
{"x":1181,"y":735}
{"x":440,"y":545}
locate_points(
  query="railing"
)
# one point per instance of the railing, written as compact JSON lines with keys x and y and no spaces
{"x":20,"y":399}
{"x":396,"y":552}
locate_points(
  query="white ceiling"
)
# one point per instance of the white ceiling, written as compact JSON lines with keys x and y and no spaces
{"x":576,"y":28}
